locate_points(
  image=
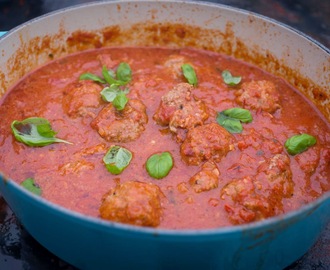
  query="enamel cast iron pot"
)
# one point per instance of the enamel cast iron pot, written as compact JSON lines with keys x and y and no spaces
{"x":91,"y":243}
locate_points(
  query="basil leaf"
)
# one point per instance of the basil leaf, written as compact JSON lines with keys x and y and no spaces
{"x":231,"y":119}
{"x":35,"y":131}
{"x":240,"y":114}
{"x":189,"y":74}
{"x":111,"y":73}
{"x":109,"y":93}
{"x":113,"y":92}
{"x":229,"y":79}
{"x":117,"y":159}
{"x":45,"y":130}
{"x":124,"y":72}
{"x":106,"y":75}
{"x":30,"y":185}
{"x":90,"y":76}
{"x":120,"y":101}
{"x":159,"y":165}
{"x":230,"y":124}
{"x":299,"y":143}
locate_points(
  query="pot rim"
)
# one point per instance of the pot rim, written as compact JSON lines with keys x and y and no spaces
{"x":277,"y":221}
{"x":3,"y":34}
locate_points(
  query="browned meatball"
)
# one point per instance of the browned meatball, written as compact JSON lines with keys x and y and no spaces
{"x":245,"y":202}
{"x":81,"y":97}
{"x":206,"y":142}
{"x":180,"y":109}
{"x":190,"y":115}
{"x":261,"y":95}
{"x":309,"y":160}
{"x":121,"y":126}
{"x":207,"y":178}
{"x":278,"y":175}
{"x":264,"y":143}
{"x":133,"y":203}
{"x":261,"y":196}
{"x":315,"y":161}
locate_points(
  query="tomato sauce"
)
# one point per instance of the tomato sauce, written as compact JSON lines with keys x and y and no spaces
{"x":75,"y":176}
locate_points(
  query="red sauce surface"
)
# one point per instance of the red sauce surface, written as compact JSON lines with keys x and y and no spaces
{"x":74,"y":175}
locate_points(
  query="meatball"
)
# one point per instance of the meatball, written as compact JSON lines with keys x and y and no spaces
{"x":315,"y":162}
{"x":245,"y":201}
{"x":205,"y":142}
{"x":261,"y":95}
{"x":121,"y":126}
{"x":278,"y":175}
{"x":264,"y":144}
{"x":80,"y":98}
{"x":133,"y":203}
{"x":179,"y":109}
{"x":206,"y":179}
{"x":261,"y":196}
{"x":308,"y":160}
{"x":188,"y":116}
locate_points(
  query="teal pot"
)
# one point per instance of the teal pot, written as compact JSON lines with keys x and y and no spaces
{"x":91,"y":243}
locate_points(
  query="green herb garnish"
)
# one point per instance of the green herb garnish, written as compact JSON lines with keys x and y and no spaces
{"x":299,"y":143}
{"x":110,"y":93}
{"x":122,"y":76}
{"x":231,"y":119}
{"x":189,"y":74}
{"x":124,"y":73}
{"x":238,"y":113}
{"x":92,"y":77}
{"x":229,"y":79}
{"x":159,"y":165}
{"x":115,"y":81}
{"x":35,"y":131}
{"x":117,"y":159}
{"x":31,"y":186}
{"x":120,"y":101}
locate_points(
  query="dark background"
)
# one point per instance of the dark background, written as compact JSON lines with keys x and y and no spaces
{"x":18,"y":250}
